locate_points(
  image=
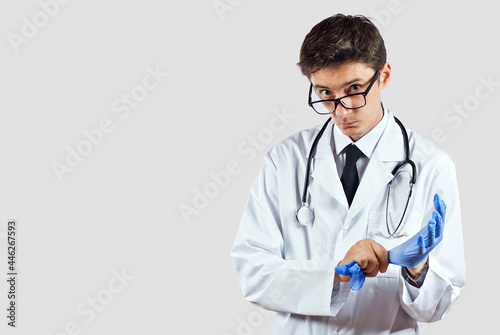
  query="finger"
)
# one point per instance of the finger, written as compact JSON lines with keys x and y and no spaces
{"x":362,"y":253}
{"x":440,"y":205}
{"x":437,"y":202}
{"x":346,"y":271}
{"x":421,"y":244}
{"x":343,"y":272}
{"x":382,"y":256}
{"x":343,"y":269}
{"x":344,"y":279}
{"x":369,"y":262}
{"x":439,"y":226}
{"x":371,"y":274}
{"x":431,"y":231}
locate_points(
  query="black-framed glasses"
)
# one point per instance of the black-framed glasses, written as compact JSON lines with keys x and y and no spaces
{"x":351,"y":101}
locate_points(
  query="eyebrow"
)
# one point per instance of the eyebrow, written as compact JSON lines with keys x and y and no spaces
{"x":347,"y":83}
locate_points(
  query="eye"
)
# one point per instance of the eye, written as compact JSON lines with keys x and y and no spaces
{"x":355,"y":88}
{"x":325,"y":94}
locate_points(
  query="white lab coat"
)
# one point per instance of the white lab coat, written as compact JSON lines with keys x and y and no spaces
{"x":288,"y":268}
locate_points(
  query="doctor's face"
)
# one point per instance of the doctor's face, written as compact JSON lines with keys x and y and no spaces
{"x":351,"y":78}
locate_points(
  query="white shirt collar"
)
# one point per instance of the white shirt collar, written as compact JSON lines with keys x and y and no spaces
{"x":366,"y":143}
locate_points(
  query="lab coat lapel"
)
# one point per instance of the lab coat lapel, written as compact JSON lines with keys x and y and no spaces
{"x":388,"y":152}
{"x":324,"y":169}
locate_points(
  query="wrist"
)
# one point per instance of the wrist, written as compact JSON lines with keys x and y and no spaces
{"x":416,"y":280}
{"x":416,"y":270}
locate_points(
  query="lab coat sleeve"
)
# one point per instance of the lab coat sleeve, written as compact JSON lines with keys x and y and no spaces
{"x":446,"y":275}
{"x":266,"y":278}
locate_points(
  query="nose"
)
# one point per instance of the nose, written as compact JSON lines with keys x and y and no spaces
{"x":341,"y":112}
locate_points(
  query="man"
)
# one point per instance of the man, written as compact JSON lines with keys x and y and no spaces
{"x":290,"y":268}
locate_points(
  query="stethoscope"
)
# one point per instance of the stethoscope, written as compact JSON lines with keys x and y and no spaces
{"x":305,"y":215}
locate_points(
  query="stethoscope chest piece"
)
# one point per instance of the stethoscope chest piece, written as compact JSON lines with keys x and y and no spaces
{"x":305,"y":215}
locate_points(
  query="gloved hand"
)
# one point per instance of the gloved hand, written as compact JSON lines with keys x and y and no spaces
{"x":416,"y":249}
{"x":353,"y":270}
{"x":408,"y":254}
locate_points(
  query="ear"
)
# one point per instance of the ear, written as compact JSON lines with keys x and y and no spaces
{"x":385,"y":75}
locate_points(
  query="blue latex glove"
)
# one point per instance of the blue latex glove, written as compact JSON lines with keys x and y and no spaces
{"x":416,"y":249}
{"x":408,"y":254}
{"x":354,"y":271}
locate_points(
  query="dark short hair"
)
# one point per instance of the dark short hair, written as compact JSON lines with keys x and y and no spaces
{"x":341,"y":39}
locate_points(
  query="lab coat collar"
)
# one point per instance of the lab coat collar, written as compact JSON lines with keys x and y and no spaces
{"x":324,"y":168}
{"x":391,"y":146}
{"x":387,"y":153}
{"x":392,"y":150}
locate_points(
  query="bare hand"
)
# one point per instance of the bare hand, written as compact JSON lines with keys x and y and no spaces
{"x":371,"y":256}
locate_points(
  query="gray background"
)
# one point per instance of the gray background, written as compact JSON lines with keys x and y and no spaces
{"x":229,"y":73}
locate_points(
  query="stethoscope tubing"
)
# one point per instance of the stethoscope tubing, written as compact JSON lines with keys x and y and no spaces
{"x":309,"y":161}
{"x":308,"y":213}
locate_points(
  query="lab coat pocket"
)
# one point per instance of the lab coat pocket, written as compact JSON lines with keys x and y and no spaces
{"x":378,"y":231}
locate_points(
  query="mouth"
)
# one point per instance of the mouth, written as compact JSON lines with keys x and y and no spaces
{"x":346,"y":125}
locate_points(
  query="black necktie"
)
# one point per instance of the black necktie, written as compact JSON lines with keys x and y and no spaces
{"x":350,"y":179}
